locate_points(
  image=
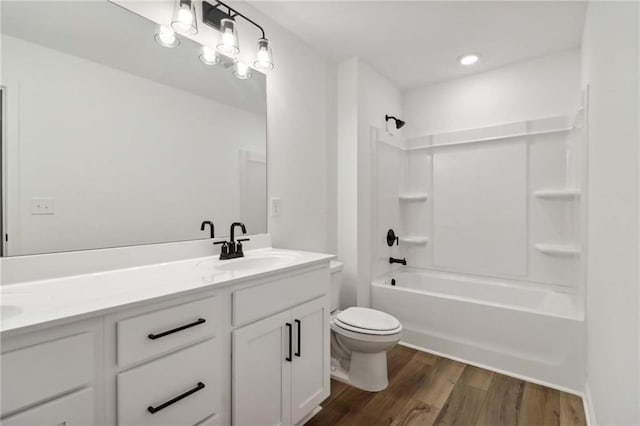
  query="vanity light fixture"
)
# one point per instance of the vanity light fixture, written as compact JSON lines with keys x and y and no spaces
{"x":469,"y":59}
{"x":209,"y":56}
{"x":223,"y":18}
{"x":184,"y":18}
{"x":399,"y":123}
{"x":241,"y":71}
{"x":166,"y":37}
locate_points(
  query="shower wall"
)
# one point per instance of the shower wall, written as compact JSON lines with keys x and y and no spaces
{"x":503,"y":198}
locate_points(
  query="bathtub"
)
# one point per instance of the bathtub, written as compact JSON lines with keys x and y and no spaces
{"x":526,"y":331}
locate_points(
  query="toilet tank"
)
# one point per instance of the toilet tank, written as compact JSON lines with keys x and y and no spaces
{"x":336,"y":281}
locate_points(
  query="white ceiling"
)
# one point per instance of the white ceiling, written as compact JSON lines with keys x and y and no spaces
{"x":415,"y":43}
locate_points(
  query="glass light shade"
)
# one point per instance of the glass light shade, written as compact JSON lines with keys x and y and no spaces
{"x":209,"y":56}
{"x":264,"y":57}
{"x":228,"y":41}
{"x":184,"y":17}
{"x":166,"y":37}
{"x":241,"y":71}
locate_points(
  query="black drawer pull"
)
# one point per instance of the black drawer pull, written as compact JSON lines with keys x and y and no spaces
{"x":299,"y":337}
{"x":290,"y":327}
{"x":175,"y":330}
{"x":154,"y":410}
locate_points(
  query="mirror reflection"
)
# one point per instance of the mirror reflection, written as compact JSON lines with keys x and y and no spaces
{"x":110,"y":139}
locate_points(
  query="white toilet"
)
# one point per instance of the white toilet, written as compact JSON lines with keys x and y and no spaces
{"x":360,"y":339}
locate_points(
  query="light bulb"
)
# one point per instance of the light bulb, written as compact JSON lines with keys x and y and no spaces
{"x":209,"y":56}
{"x":185,"y":16}
{"x":468,"y":59}
{"x":228,"y":40}
{"x":166,"y":37}
{"x":263,"y":56}
{"x":242,"y":71}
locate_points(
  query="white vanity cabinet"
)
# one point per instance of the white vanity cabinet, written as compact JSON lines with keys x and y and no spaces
{"x":281,"y":363}
{"x":254,"y":351}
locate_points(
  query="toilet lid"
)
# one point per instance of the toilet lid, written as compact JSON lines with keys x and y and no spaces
{"x":368,"y":319}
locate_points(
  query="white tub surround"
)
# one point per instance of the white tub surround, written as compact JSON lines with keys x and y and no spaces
{"x":152,"y":344}
{"x":533,"y":333}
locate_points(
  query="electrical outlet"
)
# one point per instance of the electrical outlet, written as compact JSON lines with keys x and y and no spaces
{"x":42,"y":206}
{"x":276,"y":207}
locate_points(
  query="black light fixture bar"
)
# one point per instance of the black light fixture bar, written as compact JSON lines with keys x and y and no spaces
{"x":212,"y":14}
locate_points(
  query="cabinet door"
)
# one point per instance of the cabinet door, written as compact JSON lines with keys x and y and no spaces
{"x":261,"y":372}
{"x":310,"y":367}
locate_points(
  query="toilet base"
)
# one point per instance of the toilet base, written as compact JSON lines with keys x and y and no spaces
{"x":367,"y":371}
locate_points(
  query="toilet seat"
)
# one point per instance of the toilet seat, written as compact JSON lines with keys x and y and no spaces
{"x":367,"y":321}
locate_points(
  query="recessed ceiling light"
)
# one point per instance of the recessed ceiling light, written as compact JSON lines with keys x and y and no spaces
{"x":468,"y":59}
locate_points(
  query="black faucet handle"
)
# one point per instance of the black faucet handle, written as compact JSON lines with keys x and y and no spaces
{"x":240,"y":240}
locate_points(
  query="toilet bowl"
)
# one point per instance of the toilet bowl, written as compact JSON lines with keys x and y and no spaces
{"x":360,"y":339}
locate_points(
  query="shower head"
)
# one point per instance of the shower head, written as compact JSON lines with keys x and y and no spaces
{"x":399,"y":123}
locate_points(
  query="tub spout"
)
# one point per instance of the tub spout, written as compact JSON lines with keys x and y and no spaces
{"x":401,"y":261}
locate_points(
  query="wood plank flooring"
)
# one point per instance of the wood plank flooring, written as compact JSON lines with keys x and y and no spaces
{"x":428,"y":390}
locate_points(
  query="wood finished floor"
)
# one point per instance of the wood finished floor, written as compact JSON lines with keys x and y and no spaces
{"x":428,"y":390}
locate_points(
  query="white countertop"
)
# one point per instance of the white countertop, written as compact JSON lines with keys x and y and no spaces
{"x":37,"y":303}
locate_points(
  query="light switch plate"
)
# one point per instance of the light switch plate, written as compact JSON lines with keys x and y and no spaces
{"x":276,"y":207}
{"x":42,"y":206}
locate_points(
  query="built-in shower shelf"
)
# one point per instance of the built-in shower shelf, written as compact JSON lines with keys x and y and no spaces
{"x":558,"y":193}
{"x":414,"y":196}
{"x":558,"y":249}
{"x":414,"y":240}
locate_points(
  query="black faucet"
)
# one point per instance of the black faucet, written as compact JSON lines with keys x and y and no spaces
{"x":232,"y":249}
{"x":233,"y":228}
{"x":401,"y":261}
{"x":204,"y":225}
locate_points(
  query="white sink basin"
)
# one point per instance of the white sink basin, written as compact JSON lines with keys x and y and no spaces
{"x":9,"y":311}
{"x":257,"y":262}
{"x":14,"y":304}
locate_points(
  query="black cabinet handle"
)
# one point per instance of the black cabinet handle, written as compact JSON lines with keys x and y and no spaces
{"x":290,"y":327}
{"x":175,"y":330}
{"x":299,"y":336}
{"x":191,"y":391}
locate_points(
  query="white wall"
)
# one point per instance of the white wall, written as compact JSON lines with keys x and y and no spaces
{"x":610,"y":68}
{"x":538,"y":88}
{"x":365,"y":97}
{"x":123,"y":162}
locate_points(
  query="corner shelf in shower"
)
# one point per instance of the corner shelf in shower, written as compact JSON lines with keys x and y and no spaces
{"x":414,"y":196}
{"x":558,"y":249}
{"x":414,"y":240}
{"x":558,"y":193}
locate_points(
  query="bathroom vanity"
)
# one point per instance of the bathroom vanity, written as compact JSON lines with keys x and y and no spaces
{"x":197,"y":341}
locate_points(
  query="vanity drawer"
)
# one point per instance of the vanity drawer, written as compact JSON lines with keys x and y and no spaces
{"x":152,"y":334}
{"x":70,"y":410}
{"x":35,"y":373}
{"x":189,"y":373}
{"x":258,"y":302}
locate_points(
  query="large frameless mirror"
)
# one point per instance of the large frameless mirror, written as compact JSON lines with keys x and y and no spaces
{"x":110,"y":139}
